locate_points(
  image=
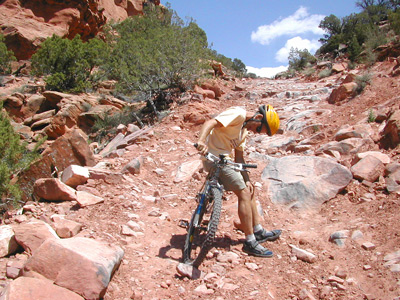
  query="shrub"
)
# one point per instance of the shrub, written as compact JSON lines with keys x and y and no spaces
{"x":6,"y":57}
{"x":362,"y":81}
{"x":156,"y":52}
{"x":14,"y":158}
{"x":361,"y":32}
{"x":68,"y":64}
{"x":371,"y":116}
{"x":239,"y":67}
{"x":325,"y":73}
{"x":309,"y":72}
{"x":108,"y":123}
{"x":394,"y":19}
{"x":300,"y":59}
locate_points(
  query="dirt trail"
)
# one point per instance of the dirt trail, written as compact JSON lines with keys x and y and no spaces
{"x":157,"y":204}
{"x":149,"y":265}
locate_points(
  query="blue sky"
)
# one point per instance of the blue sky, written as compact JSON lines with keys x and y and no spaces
{"x":261,"y":32}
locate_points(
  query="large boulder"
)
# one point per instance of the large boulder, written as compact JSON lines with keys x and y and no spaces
{"x":342,"y":92}
{"x":26,"y":288}
{"x":8,"y":244}
{"x":391,"y":132}
{"x":79,"y":264}
{"x":368,"y":168}
{"x":69,"y":149}
{"x":32,"y":234}
{"x":53,"y":189}
{"x":304,"y":181}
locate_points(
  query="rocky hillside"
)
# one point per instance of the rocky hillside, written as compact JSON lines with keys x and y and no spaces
{"x":106,"y":222}
{"x":25,"y":24}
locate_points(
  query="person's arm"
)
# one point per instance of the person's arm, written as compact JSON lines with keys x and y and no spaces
{"x":239,"y":158}
{"x":204,"y":132}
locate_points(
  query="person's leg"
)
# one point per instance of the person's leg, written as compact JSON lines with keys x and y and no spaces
{"x":233,"y":181}
{"x":250,"y":217}
{"x":245,"y":210}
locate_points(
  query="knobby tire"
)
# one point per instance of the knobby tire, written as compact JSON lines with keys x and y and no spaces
{"x":210,"y":234}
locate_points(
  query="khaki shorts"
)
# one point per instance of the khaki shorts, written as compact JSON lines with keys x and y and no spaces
{"x":231,"y":179}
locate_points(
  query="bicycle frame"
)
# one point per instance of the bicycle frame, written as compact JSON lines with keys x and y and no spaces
{"x":209,"y":201}
{"x":211,"y":181}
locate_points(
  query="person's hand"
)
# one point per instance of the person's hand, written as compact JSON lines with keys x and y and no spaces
{"x":202,"y":148}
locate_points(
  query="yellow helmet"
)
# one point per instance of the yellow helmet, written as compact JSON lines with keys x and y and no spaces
{"x":270,"y":119}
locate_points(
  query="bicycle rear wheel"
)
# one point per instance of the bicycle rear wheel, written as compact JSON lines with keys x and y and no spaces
{"x":201,"y":232}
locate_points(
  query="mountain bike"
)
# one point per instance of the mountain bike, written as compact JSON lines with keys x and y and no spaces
{"x":205,"y":218}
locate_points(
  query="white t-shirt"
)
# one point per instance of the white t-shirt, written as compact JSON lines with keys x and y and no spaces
{"x":231,"y":136}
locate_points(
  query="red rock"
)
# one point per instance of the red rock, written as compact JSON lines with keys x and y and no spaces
{"x":8,"y":244}
{"x":26,"y":288}
{"x":391,"y":131}
{"x":53,"y":189}
{"x":70,"y":149}
{"x":369,"y":168}
{"x":186,"y":170}
{"x":31,"y":235}
{"x":82,"y":265}
{"x":66,"y":228}
{"x":75,"y":175}
{"x":86,"y":199}
{"x":26,"y":24}
{"x":342,"y":92}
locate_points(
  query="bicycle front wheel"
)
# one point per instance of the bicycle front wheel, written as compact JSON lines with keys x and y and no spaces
{"x":201,"y":231}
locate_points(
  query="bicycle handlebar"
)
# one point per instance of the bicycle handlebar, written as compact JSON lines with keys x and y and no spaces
{"x":241,"y":167}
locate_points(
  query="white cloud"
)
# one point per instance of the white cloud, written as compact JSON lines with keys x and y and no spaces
{"x":299,"y":43}
{"x":266,"y":72}
{"x":298,"y":23}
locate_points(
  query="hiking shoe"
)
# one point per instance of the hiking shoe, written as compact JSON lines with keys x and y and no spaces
{"x":254,"y":248}
{"x":263,"y":235}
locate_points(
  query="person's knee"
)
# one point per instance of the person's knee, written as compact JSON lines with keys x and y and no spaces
{"x":244,"y":194}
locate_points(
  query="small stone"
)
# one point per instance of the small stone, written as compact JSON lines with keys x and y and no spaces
{"x":303,"y":254}
{"x":335,"y":279}
{"x":368,"y":246}
{"x":341,"y":273}
{"x":202,"y":289}
{"x":251,"y":266}
{"x":306,"y":295}
{"x":367,"y":267}
{"x":357,"y":235}
{"x":189,"y":271}
{"x":325,"y":292}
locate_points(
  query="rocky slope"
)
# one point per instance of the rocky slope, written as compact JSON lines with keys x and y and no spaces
{"x":25,"y":24}
{"x":127,"y":208}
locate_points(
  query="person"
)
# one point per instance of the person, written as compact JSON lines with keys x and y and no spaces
{"x":226,"y":134}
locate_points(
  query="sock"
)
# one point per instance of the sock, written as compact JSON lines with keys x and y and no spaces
{"x":257,"y":228}
{"x":250,"y":238}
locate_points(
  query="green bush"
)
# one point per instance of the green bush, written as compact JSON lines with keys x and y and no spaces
{"x":360,"y":33}
{"x":239,"y":67}
{"x":300,"y":59}
{"x":325,"y":73}
{"x":371,"y":116}
{"x":394,"y":20}
{"x":308,"y":72}
{"x":14,"y":158}
{"x":108,"y":123}
{"x":6,"y":57}
{"x":156,"y":52}
{"x":68,"y":64}
{"x":362,"y":81}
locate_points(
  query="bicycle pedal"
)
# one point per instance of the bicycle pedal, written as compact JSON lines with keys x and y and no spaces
{"x":183,"y":223}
